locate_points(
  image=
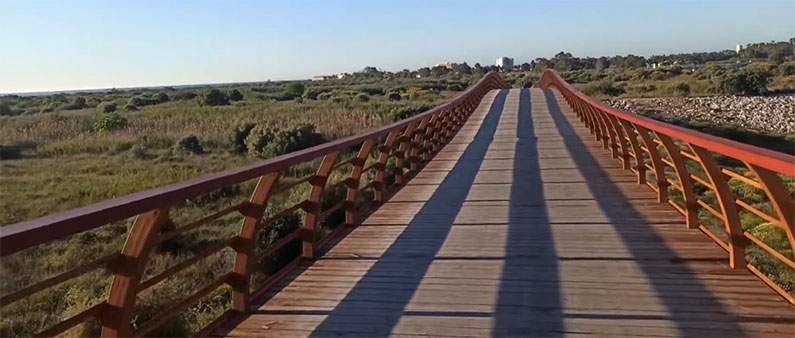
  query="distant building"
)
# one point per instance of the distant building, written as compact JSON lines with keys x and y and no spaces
{"x":448,"y":65}
{"x":339,"y":76}
{"x":738,"y":48}
{"x":505,"y":62}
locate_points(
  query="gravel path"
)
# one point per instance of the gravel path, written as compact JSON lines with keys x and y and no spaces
{"x":774,"y":114}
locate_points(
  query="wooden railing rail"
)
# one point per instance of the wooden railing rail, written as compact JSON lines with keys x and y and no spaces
{"x":408,"y":143}
{"x":683,"y":162}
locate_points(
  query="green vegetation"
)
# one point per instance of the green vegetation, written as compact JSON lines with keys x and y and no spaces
{"x":56,"y":158}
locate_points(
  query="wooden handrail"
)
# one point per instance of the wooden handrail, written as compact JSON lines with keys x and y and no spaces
{"x":420,"y":134}
{"x":609,"y":125}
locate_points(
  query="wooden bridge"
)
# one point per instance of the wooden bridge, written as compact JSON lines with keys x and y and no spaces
{"x":505,"y":212}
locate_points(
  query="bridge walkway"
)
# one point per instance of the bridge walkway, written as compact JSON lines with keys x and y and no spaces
{"x":521,"y":226}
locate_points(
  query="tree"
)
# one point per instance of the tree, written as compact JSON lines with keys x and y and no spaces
{"x":478,"y":68}
{"x":601,"y":64}
{"x":215,"y":97}
{"x":295,"y":88}
{"x":525,"y":67}
{"x":749,"y":81}
{"x":463,"y":68}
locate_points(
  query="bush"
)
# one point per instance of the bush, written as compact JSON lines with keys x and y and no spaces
{"x":10,"y":152}
{"x":295,"y":88}
{"x":393,"y":96}
{"x":749,"y":81}
{"x":362,"y":97}
{"x":786,"y":69}
{"x":5,"y":109}
{"x":107,"y":107}
{"x":235,"y":95}
{"x":239,"y":135}
{"x":145,"y":100}
{"x":266,"y":142}
{"x":78,"y":102}
{"x":397,"y":114}
{"x":680,"y":88}
{"x":602,"y":88}
{"x":190,"y":144}
{"x":183,"y":95}
{"x":324,"y":96}
{"x":215,"y":97}
{"x":161,"y":97}
{"x":110,"y":121}
{"x":130,"y":107}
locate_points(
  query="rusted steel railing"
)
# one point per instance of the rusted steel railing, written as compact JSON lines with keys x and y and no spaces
{"x":389,"y":154}
{"x":699,"y":175}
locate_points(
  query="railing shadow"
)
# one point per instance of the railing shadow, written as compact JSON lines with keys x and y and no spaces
{"x":528,"y":302}
{"x":432,"y":224}
{"x":616,"y":206}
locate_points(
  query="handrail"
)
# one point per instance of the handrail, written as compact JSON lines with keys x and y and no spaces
{"x":765,"y":158}
{"x":681,"y":158}
{"x":401,"y":141}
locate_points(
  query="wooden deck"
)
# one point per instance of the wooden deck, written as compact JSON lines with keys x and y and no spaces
{"x":521,"y":226}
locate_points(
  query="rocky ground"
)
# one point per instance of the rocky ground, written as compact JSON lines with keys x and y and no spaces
{"x":774,"y":114}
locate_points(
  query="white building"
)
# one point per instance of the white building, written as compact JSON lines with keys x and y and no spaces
{"x":738,"y":48}
{"x":505,"y":62}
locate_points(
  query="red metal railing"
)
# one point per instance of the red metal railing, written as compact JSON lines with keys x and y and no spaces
{"x":691,"y":163}
{"x":390,"y":154}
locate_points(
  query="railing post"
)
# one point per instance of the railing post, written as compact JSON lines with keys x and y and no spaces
{"x":691,"y":206}
{"x":400,"y":154}
{"x":727,"y":205}
{"x":353,"y":182}
{"x":414,"y":148}
{"x":379,"y":185}
{"x":782,"y":202}
{"x":602,"y":117}
{"x":246,"y":242}
{"x":659,"y":169}
{"x":313,"y":204}
{"x":128,"y":270}
{"x":621,"y":140}
{"x":633,"y":142}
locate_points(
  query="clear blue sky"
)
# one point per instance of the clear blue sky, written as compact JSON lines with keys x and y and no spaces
{"x":55,"y":45}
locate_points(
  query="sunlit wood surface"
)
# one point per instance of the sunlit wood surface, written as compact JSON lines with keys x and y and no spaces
{"x":521,"y":226}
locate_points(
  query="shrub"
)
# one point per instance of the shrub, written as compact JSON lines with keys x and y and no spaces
{"x":239,"y":135}
{"x":393,"y":96}
{"x":10,"y":152}
{"x":401,"y":113}
{"x":338,"y":99}
{"x":266,"y":142}
{"x":362,"y":97}
{"x":78,"y":102}
{"x":130,"y":107}
{"x":786,"y":69}
{"x":107,"y":107}
{"x":110,"y":121}
{"x":143,"y":100}
{"x":235,"y":95}
{"x":680,"y":88}
{"x":161,"y":97}
{"x":324,"y":96}
{"x":5,"y":109}
{"x":183,"y":95}
{"x":602,"y":88}
{"x":190,"y":144}
{"x":215,"y":97}
{"x":749,"y":81}
{"x":295,"y":88}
